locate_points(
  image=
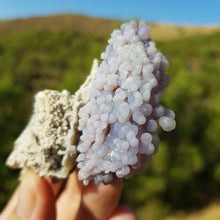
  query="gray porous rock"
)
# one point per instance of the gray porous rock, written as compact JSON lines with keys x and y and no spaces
{"x":48,"y":143}
{"x":109,"y":128}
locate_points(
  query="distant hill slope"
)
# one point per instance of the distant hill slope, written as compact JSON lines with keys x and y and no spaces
{"x":95,"y":25}
{"x":60,"y":22}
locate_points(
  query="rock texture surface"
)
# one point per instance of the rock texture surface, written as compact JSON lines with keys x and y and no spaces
{"x":48,"y":143}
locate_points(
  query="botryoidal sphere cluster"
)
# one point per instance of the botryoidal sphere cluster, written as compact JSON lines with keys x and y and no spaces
{"x":119,"y":123}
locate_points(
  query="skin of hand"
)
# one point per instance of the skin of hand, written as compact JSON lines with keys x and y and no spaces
{"x":38,"y":198}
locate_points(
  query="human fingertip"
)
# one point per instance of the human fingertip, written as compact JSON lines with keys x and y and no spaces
{"x":27,"y":195}
{"x":123,"y":213}
{"x":45,"y":205}
{"x":36,"y":199}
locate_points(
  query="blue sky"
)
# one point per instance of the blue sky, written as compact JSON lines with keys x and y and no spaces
{"x":190,"y":12}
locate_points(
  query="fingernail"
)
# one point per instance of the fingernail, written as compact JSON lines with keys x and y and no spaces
{"x":27,"y":198}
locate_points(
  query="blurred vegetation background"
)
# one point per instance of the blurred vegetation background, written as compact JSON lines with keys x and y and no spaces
{"x":57,"y":52}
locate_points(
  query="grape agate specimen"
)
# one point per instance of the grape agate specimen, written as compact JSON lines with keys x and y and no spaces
{"x":109,"y":128}
{"x":119,"y":123}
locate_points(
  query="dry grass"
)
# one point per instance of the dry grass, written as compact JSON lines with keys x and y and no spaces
{"x":167,"y":32}
{"x":60,"y":22}
{"x":209,"y":213}
{"x":99,"y":26}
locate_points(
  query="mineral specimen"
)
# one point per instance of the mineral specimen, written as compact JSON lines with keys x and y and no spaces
{"x":119,"y":123}
{"x":48,"y":143}
{"x":109,"y":127}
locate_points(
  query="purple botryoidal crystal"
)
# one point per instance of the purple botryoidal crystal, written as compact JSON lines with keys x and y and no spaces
{"x":119,"y":122}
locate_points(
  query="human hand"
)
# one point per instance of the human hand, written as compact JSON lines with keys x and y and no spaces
{"x":38,"y":198}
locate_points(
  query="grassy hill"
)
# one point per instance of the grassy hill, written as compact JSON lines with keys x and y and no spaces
{"x":101,"y":27}
{"x":211,"y":212}
{"x":56,"y":53}
{"x":56,"y":23}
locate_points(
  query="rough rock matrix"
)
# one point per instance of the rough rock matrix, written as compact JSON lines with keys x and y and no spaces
{"x":48,"y":143}
{"x":119,"y":123}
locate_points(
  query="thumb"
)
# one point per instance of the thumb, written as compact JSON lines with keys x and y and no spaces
{"x":35,"y":199}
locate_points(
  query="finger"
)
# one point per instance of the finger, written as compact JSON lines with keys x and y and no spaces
{"x":123,"y":213}
{"x":87,"y":202}
{"x":11,"y":205}
{"x":100,"y":201}
{"x":35,"y":199}
{"x":70,"y":198}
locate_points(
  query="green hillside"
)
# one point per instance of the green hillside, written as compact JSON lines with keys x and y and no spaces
{"x":101,"y":27}
{"x":185,"y":174}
